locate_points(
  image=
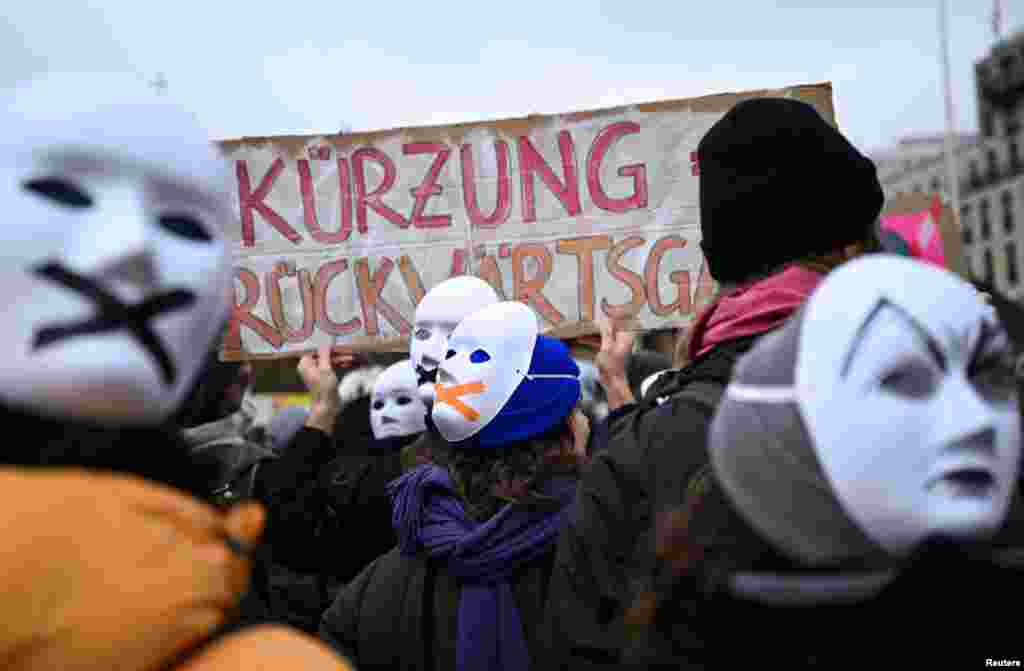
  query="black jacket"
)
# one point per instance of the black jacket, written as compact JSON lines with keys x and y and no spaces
{"x":328,"y":517}
{"x":402,"y":613}
{"x":933,"y":609}
{"x":606,"y":551}
{"x":281,"y":590}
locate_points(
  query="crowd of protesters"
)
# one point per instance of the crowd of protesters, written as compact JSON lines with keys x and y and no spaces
{"x":825,"y":472}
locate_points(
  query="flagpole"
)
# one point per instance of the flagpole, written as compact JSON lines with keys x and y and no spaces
{"x":952,"y":172}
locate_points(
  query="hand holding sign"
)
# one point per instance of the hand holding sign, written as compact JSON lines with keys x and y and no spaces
{"x":317,"y":373}
{"x":616,"y":346}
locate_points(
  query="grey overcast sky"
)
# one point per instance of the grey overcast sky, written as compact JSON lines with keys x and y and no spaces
{"x":266,"y":68}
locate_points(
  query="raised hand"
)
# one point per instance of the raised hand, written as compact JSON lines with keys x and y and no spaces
{"x":611,"y":360}
{"x":317,"y":373}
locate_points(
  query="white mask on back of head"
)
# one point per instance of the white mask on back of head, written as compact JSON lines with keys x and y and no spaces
{"x":488,"y":357}
{"x":440,"y":311}
{"x":396,"y":409}
{"x":114,"y":248}
{"x":904,"y":380}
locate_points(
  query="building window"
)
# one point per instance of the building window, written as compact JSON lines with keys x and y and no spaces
{"x":986,"y":225}
{"x":990,"y":272}
{"x":975,"y":175}
{"x":1007,"y":198}
{"x":1011,"y":263}
{"x":965,"y":224}
{"x":987,"y":123}
{"x":993,"y":165}
{"x":1015,"y":165}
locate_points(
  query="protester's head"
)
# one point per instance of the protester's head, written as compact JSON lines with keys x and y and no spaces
{"x":779,"y":184}
{"x":643,"y":367}
{"x":507,"y":404}
{"x":352,"y":426}
{"x":358,"y":384}
{"x":396,"y":409}
{"x":437,"y":315}
{"x":884,"y":414}
{"x":116,"y":204}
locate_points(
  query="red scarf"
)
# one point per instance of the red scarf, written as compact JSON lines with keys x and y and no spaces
{"x":753,"y":308}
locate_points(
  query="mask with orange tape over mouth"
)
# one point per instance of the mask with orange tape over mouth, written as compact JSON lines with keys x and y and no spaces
{"x":501,"y":381}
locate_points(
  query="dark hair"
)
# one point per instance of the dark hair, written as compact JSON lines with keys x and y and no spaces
{"x":642,"y":365}
{"x":488,"y":479}
{"x":352,"y":428}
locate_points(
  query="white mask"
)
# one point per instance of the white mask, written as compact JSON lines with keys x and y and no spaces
{"x":904,"y":380}
{"x":440,"y":311}
{"x":396,"y":409}
{"x":116,"y":204}
{"x":488,"y":355}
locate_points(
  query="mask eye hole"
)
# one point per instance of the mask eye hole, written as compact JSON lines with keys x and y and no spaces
{"x":59,"y":191}
{"x":404,"y":400}
{"x":479,"y":356}
{"x":450,"y":354}
{"x":910,"y":380}
{"x":184,"y":226}
{"x":422,"y":334}
{"x":378,"y":405}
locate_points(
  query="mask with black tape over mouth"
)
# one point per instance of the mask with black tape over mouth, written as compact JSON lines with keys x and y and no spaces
{"x":437,"y":315}
{"x":118,"y":259}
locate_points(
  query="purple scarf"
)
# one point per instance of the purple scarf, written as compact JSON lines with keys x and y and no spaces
{"x":428,"y":517}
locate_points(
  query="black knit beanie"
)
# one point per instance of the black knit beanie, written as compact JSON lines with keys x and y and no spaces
{"x":777,"y":184}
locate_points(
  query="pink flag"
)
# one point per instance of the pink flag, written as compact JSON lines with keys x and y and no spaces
{"x":920,"y":232}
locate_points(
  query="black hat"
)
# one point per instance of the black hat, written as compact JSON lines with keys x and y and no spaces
{"x":778,"y":183}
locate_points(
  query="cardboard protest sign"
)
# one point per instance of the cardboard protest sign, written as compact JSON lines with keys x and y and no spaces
{"x":577,"y":215}
{"x":920,"y":225}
